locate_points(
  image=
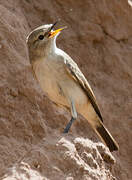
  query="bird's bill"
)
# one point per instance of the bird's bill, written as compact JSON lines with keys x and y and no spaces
{"x":53,"y":33}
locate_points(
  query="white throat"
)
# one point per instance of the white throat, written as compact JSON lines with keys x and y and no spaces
{"x":52,"y":48}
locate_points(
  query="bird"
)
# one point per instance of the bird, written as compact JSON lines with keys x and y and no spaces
{"x":63,"y":82}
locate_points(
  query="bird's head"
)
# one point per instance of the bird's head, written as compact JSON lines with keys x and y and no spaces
{"x":41,"y":40}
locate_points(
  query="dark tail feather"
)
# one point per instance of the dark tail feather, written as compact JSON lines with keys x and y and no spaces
{"x":107,"y":137}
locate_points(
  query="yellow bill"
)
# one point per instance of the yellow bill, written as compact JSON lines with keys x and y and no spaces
{"x":53,"y":33}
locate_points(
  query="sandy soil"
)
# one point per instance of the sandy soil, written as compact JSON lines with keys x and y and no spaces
{"x":99,"y":39}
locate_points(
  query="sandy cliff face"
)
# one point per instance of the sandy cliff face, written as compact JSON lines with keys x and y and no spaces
{"x":98,"y":38}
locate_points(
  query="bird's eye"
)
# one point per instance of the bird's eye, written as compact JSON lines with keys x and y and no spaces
{"x":41,"y":37}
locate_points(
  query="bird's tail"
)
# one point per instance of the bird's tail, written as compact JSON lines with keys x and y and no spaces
{"x":106,"y":137}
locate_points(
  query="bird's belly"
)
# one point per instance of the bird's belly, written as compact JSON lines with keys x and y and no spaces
{"x":49,"y":81}
{"x":60,"y":87}
{"x":75,"y":93}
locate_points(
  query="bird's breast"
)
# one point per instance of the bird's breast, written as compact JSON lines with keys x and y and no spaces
{"x":58,"y":84}
{"x":50,"y":74}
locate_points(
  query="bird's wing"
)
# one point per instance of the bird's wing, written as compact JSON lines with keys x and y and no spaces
{"x":78,"y":76}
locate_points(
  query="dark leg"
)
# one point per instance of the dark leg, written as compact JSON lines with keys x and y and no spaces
{"x":69,"y":125}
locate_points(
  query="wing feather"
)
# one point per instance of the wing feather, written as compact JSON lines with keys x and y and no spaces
{"x":77,"y":75}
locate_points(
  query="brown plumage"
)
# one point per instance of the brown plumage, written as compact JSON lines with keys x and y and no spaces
{"x":63,"y":82}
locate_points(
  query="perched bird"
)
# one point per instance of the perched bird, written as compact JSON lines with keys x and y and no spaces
{"x":63,"y":82}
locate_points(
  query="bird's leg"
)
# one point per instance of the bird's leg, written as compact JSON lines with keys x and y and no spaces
{"x":74,"y":117}
{"x":69,"y":125}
